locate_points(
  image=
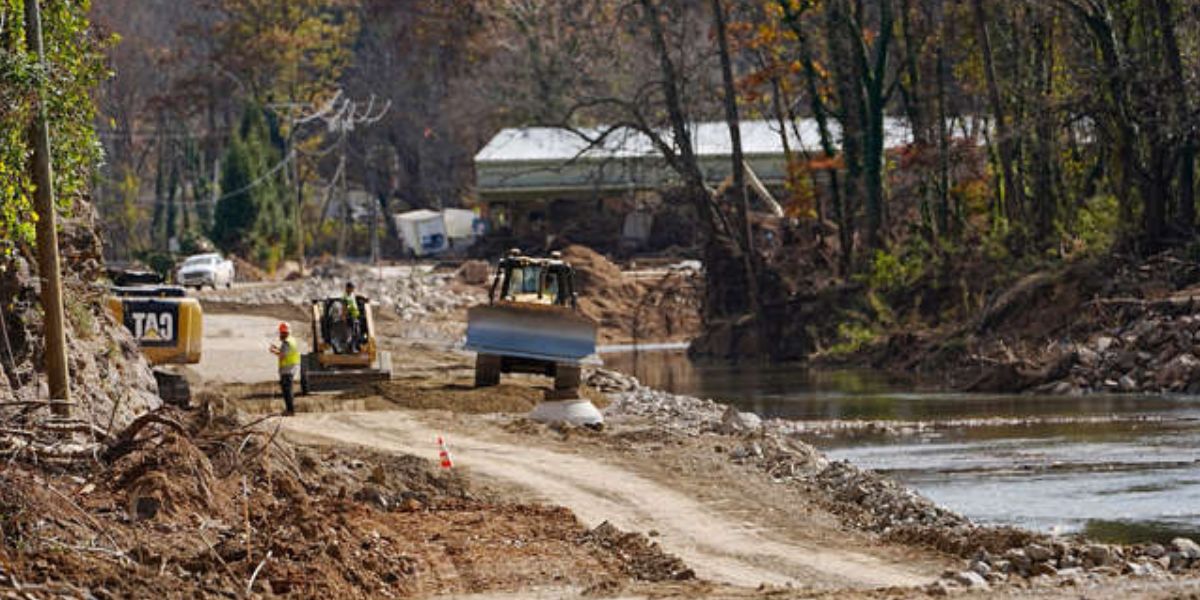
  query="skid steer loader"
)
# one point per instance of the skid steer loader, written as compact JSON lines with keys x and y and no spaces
{"x":531,"y":324}
{"x":168,"y":327}
{"x":345,"y":352}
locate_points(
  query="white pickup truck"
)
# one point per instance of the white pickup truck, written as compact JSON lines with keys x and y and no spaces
{"x":205,"y":269}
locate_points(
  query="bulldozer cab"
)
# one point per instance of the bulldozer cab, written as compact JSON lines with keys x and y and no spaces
{"x":525,"y":280}
{"x":342,"y":334}
{"x":345,"y":350}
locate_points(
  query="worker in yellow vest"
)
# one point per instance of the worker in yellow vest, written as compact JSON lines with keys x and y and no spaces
{"x":288,"y":353}
{"x":353,"y":316}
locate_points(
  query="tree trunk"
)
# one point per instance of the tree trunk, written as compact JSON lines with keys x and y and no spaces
{"x":1044,"y":152}
{"x":1181,"y":123}
{"x":739,"y":168}
{"x":1013,"y":189}
{"x":872,"y":76}
{"x":721,"y":238}
{"x":943,"y":144}
{"x":847,"y":86}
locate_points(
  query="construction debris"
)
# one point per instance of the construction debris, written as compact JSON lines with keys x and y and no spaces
{"x":206,"y":506}
{"x":413,"y":295}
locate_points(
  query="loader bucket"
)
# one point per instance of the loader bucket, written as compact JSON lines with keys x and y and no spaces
{"x":540,"y":332}
{"x":315,"y":378}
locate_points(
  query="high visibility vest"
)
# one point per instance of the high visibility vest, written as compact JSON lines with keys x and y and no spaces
{"x":351,"y":306}
{"x":289,"y":355}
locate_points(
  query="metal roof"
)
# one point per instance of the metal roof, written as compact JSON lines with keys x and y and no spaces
{"x":555,"y":145}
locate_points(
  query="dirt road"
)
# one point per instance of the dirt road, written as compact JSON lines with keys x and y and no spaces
{"x":236,"y":348}
{"x":718,"y":541}
{"x":718,"y":546}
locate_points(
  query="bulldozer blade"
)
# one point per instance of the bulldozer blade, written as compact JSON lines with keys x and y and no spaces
{"x":540,"y":332}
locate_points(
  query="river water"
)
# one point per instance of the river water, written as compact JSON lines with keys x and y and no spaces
{"x":1116,"y":468}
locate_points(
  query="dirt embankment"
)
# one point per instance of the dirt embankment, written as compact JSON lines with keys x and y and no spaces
{"x":1118,"y":325}
{"x":662,"y":306}
{"x":198,"y":505}
{"x":110,"y":381}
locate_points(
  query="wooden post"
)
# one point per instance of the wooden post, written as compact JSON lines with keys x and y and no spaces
{"x":47,"y":233}
{"x":295,"y":155}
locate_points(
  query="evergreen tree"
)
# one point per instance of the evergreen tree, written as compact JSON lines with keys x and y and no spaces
{"x":252,"y":217}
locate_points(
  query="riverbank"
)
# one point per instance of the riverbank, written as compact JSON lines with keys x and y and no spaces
{"x":1111,"y":324}
{"x":866,"y":501}
{"x":728,"y":485}
{"x":1121,"y":467}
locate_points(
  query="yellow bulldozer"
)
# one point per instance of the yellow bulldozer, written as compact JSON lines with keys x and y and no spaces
{"x":345,"y":350}
{"x":531,"y":324}
{"x":169,"y":328}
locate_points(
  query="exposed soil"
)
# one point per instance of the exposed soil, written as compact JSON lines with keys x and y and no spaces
{"x":1118,"y":324}
{"x":345,"y":501}
{"x":662,"y":306}
{"x":195,"y":505}
{"x":687,"y":495}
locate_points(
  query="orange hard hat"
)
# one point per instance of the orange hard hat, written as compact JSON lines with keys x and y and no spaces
{"x":283,"y":327}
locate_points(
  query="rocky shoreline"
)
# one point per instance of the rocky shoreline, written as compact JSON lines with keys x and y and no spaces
{"x":866,"y":501}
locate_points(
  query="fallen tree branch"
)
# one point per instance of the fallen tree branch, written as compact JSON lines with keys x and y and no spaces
{"x":36,"y":403}
{"x":125,"y":442}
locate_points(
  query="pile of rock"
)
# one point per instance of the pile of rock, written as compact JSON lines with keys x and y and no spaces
{"x":412,"y":296}
{"x":644,"y":559}
{"x":607,"y":381}
{"x":1157,"y":351}
{"x":882,"y":504}
{"x":1072,"y":563}
{"x":629,"y":398}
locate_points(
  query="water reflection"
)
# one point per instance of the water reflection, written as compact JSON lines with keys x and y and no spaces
{"x":793,"y":391}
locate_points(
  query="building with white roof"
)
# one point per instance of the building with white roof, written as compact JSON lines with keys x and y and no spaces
{"x":540,"y":180}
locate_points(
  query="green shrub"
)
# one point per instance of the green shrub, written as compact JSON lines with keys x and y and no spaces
{"x":1098,"y":224}
{"x":852,"y":337}
{"x":890,"y":272}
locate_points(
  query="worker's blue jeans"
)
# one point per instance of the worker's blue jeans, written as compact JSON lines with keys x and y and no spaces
{"x":285,"y":385}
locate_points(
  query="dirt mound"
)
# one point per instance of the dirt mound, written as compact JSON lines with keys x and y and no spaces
{"x":593,"y":271}
{"x":645,"y":560}
{"x":473,"y":272}
{"x":663,"y":307}
{"x":211,"y":506}
{"x":245,"y":271}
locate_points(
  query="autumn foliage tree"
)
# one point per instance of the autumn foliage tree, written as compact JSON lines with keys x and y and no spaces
{"x":74,"y":57}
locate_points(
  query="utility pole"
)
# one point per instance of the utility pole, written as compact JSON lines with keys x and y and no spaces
{"x":375,"y":238}
{"x":299,"y":197}
{"x":47,"y":232}
{"x":343,"y":191}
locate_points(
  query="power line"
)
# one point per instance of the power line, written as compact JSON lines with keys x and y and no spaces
{"x":253,"y":184}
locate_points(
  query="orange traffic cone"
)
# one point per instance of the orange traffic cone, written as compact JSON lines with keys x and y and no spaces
{"x":444,"y":453}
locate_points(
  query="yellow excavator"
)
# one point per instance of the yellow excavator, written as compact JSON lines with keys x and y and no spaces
{"x":531,"y":324}
{"x":168,"y":326}
{"x":345,"y":350}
